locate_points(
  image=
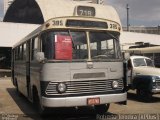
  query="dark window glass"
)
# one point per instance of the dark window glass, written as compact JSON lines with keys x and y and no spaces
{"x":48,"y":45}
{"x":35,"y":45}
{"x":139,"y":62}
{"x":87,"y":24}
{"x":104,"y":46}
{"x":79,"y":44}
{"x":80,"y":50}
{"x":24,"y":51}
{"x":142,"y":62}
{"x":149,"y":62}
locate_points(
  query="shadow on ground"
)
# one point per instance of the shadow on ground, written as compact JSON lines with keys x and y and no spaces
{"x":30,"y":112}
{"x":133,"y":96}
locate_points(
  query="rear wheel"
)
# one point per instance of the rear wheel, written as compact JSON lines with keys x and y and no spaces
{"x":101,"y":109}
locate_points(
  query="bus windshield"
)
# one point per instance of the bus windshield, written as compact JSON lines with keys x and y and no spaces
{"x":70,"y":45}
{"x":104,"y":46}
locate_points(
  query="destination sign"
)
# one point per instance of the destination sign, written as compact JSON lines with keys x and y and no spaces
{"x":86,"y":11}
{"x":86,"y":24}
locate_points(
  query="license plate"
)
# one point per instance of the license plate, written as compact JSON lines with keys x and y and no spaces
{"x":93,"y":101}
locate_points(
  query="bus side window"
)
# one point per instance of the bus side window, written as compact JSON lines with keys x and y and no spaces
{"x":32,"y":49}
{"x":15,"y":54}
{"x":48,"y":45}
{"x":24,"y":51}
{"x":35,"y":47}
{"x":18,"y":53}
{"x":21,"y":53}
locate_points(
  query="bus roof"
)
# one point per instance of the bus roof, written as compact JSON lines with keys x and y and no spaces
{"x":52,"y":9}
{"x":59,"y":8}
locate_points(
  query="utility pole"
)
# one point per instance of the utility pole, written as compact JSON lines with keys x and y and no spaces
{"x":127,"y":7}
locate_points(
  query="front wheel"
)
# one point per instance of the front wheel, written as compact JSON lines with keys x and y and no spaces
{"x":101,"y":109}
{"x":144,"y":94}
{"x":37,"y":104}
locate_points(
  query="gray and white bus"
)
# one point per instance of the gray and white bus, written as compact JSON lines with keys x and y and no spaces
{"x":72,"y":61}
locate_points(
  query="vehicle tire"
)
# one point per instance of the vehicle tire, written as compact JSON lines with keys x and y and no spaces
{"x":37,"y":104}
{"x":101,"y":109}
{"x":144,"y":95}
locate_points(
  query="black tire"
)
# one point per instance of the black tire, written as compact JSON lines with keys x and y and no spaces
{"x":37,"y":104}
{"x":144,"y":95}
{"x":101,"y":109}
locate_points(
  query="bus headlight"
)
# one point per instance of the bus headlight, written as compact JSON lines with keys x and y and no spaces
{"x":61,"y":87}
{"x":115,"y":84}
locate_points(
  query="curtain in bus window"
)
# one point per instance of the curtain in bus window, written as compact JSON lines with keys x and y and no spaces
{"x":63,"y":47}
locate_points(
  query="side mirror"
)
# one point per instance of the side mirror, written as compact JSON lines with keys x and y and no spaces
{"x":39,"y":56}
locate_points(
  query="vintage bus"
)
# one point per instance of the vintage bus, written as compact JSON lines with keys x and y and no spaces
{"x":72,"y":61}
{"x":151,"y":52}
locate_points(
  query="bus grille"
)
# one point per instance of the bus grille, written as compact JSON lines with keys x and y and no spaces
{"x":158,"y":83}
{"x":84,"y":87}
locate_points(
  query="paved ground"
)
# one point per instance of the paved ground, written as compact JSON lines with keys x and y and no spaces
{"x":13,"y":106}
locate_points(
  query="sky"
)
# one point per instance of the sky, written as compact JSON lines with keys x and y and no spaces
{"x":141,"y":12}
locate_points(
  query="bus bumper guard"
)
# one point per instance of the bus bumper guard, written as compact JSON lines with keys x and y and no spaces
{"x":82,"y":100}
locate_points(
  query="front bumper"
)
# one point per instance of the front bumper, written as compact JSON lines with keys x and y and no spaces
{"x":82,"y":100}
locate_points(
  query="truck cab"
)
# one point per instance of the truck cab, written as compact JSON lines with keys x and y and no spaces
{"x":143,"y":76}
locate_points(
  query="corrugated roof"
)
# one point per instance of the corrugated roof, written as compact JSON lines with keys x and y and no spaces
{"x":128,"y":39}
{"x":11,"y":33}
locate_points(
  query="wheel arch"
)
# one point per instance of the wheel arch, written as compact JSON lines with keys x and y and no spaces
{"x":142,"y":82}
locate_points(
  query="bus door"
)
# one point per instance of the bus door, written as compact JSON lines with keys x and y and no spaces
{"x":28,"y":69}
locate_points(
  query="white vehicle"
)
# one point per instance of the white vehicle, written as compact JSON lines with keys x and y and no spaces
{"x":72,"y":61}
{"x":143,"y":76}
{"x":151,"y":52}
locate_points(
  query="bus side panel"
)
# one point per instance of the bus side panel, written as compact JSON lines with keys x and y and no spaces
{"x":35,"y":77}
{"x":20,"y":75}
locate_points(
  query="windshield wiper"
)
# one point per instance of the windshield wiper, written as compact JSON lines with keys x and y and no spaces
{"x":111,"y":35}
{"x":72,"y":39}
